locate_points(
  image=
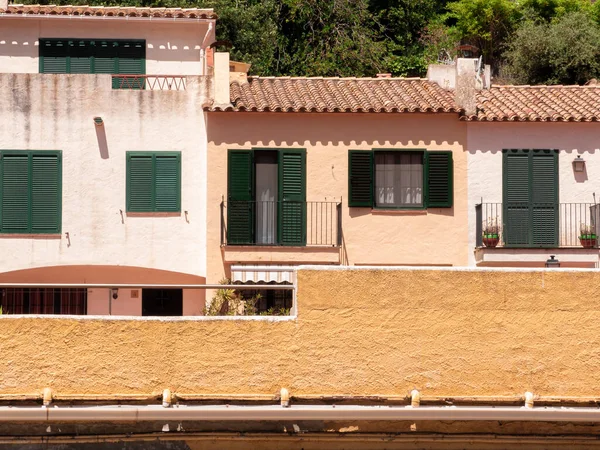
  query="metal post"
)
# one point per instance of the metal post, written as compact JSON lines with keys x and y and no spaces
{"x":339,"y":224}
{"x":222,"y":222}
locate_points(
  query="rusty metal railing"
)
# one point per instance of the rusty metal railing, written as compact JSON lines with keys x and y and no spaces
{"x":150,"y":82}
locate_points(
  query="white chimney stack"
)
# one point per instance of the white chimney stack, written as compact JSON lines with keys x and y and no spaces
{"x":221,"y":74}
{"x":465,"y":77}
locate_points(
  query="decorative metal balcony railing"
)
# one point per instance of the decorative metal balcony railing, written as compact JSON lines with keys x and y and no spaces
{"x":150,"y":82}
{"x":288,"y":223}
{"x":537,"y":225}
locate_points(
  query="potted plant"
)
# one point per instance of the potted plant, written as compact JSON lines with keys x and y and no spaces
{"x":587,"y":236}
{"x":491,"y":233}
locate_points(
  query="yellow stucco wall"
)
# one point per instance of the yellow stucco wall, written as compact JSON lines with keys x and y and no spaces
{"x":436,"y":236}
{"x":358,"y":332}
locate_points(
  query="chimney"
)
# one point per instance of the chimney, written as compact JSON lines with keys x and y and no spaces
{"x":3,"y":5}
{"x":238,"y":71}
{"x":221,"y":74}
{"x":464,"y":78}
{"x":466,"y":84}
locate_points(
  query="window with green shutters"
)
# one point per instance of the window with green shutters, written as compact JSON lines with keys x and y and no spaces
{"x":153,"y":182}
{"x":126,"y":57}
{"x":252,"y":220}
{"x":530,"y":197}
{"x":30,"y":192}
{"x":400,"y":179}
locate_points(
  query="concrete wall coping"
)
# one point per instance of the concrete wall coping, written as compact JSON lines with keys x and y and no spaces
{"x":442,"y":269}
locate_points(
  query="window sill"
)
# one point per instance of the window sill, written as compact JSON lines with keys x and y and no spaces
{"x":29,"y":236}
{"x":154,"y":214}
{"x":400,"y":212}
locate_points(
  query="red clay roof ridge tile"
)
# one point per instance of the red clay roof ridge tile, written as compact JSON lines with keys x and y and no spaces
{"x":108,"y":11}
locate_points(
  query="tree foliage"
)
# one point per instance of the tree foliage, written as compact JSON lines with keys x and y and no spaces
{"x":564,"y":51}
{"x":363,"y":37}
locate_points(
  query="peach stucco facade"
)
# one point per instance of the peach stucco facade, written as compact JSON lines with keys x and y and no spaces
{"x":485,"y":142}
{"x":172,"y":48}
{"x":435,"y":236}
{"x":55,"y":112}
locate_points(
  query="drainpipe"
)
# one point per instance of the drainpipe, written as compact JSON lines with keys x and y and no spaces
{"x":296,"y":412}
{"x":204,"y":45}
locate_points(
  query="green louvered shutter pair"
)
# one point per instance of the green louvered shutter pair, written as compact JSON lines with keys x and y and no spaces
{"x":438,"y":173}
{"x":153,"y":182}
{"x":530,"y":203}
{"x":291,"y":211}
{"x":95,"y":56}
{"x":30,"y":192}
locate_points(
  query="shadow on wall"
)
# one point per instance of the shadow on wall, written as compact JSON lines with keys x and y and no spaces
{"x":159,"y":51}
{"x":102,"y":144}
{"x":336,"y":129}
{"x":581,"y":177}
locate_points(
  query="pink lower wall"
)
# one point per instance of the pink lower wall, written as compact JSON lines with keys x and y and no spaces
{"x":127,"y":304}
{"x":436,"y":236}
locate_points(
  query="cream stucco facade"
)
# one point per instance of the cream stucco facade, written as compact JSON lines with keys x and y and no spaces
{"x":172,"y":47}
{"x":55,"y":112}
{"x":435,"y":236}
{"x":99,"y":239}
{"x":485,"y":142}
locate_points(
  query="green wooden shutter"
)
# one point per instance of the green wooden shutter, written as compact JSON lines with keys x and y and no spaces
{"x":81,"y":53}
{"x":440,"y":183}
{"x":131,"y":61}
{"x":54,"y":56}
{"x":292,"y":197}
{"x":240,"y":205}
{"x":46,"y":192}
{"x":140,"y":182}
{"x":14,"y":192}
{"x":105,"y":57}
{"x":544,"y":197}
{"x":516,"y":201}
{"x":360,"y":178}
{"x":168,"y":182}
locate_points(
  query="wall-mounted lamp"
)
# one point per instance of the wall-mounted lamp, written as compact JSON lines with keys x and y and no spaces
{"x":579,"y":164}
{"x":98,"y":121}
{"x":552,"y":263}
{"x":115,"y":293}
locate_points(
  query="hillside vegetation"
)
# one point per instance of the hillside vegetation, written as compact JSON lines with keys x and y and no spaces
{"x":525,"y":41}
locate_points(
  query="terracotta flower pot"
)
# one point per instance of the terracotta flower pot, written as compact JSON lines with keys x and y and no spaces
{"x":588,"y":241}
{"x":491,"y":240}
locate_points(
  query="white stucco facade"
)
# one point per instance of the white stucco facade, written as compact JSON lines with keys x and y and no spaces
{"x":55,"y":112}
{"x":485,"y":142}
{"x":172,"y":48}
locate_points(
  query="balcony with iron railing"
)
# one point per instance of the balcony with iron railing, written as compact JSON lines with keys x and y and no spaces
{"x":282,"y":229}
{"x":520,"y":229}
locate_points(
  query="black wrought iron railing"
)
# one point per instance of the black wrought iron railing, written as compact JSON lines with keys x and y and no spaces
{"x":537,"y":225}
{"x":281,"y":223}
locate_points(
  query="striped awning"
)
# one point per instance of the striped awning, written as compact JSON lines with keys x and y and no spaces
{"x":243,"y":273}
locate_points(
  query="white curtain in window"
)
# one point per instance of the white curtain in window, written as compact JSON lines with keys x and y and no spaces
{"x":398,"y":179}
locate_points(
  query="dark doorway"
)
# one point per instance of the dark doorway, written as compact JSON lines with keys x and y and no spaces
{"x":162,"y":302}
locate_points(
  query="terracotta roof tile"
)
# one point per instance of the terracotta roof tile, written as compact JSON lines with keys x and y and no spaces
{"x":117,"y":11}
{"x":538,"y":104}
{"x":288,"y":94}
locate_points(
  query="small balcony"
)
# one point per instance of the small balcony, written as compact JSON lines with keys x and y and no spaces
{"x":525,"y":232}
{"x":288,"y":231}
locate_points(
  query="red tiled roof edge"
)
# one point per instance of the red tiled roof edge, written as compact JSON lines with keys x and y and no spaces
{"x":318,"y":94}
{"x":108,"y":11}
{"x":537,"y":104}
